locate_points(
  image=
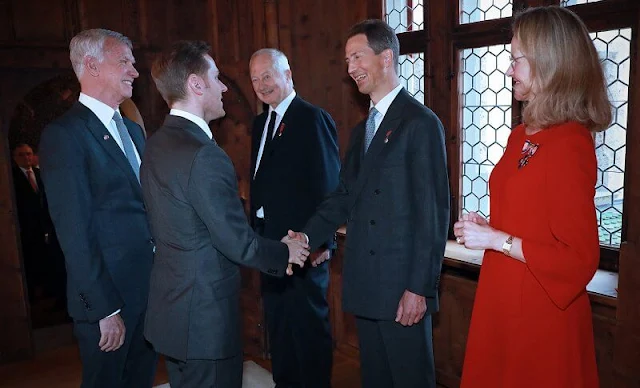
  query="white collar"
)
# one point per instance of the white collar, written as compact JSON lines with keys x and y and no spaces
{"x":199,"y":121}
{"x":383,"y":105}
{"x":282,"y":107}
{"x":103,"y":111}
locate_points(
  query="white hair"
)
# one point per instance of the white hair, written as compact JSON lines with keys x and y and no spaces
{"x":90,"y":43}
{"x":280,"y":61}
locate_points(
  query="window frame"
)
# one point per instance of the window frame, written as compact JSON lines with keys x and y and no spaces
{"x":444,"y":37}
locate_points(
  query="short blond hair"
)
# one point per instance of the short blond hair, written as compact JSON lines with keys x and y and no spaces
{"x":568,"y":83}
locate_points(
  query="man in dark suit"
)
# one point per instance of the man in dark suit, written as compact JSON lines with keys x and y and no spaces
{"x":200,"y":227}
{"x":90,"y":160}
{"x":33,"y":216}
{"x":394,"y":196}
{"x":295,"y":163}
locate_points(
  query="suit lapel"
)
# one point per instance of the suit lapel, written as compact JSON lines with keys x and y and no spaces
{"x":21,"y":179}
{"x":279,"y":132}
{"x":258,"y":129}
{"x":287,"y":122}
{"x":389,"y":128}
{"x":108,"y":144}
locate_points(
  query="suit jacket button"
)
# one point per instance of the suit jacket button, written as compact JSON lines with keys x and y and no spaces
{"x":376,"y":191}
{"x":372,"y":222}
{"x":372,"y":252}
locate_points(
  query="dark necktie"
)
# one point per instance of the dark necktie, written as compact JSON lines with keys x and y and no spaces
{"x":272,"y":124}
{"x":370,"y":128}
{"x":127,"y":144}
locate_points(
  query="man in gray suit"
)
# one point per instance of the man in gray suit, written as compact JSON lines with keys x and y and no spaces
{"x":201,"y":231}
{"x":394,"y":197}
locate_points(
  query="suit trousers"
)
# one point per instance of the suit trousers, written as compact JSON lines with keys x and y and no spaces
{"x":133,"y":365}
{"x":223,"y":373}
{"x":297,"y":314}
{"x":396,"y":356}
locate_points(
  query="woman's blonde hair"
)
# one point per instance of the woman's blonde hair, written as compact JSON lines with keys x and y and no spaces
{"x":568,"y":83}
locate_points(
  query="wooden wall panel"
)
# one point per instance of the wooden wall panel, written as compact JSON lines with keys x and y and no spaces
{"x":105,"y":14}
{"x":186,"y":19}
{"x":154,"y":19}
{"x":451,"y":325}
{"x":39,"y":21}
{"x":6,"y":21}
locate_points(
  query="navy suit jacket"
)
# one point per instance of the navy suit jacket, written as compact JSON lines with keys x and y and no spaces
{"x":395,"y":202}
{"x":96,"y":205}
{"x":300,"y":167}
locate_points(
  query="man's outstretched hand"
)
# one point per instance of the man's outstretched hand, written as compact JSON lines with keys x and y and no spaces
{"x":298,"y":250}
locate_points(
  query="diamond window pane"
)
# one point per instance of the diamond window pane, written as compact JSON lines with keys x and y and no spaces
{"x":567,"y":3}
{"x":412,"y":74}
{"x":614,"y":49}
{"x":405,"y":15}
{"x":472,"y":11}
{"x":486,"y":120}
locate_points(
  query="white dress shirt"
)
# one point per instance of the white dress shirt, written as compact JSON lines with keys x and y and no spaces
{"x":383,"y":106}
{"x":280,"y":110}
{"x":105,"y":115}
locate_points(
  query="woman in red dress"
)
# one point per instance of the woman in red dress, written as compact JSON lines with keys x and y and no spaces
{"x":531,"y":323}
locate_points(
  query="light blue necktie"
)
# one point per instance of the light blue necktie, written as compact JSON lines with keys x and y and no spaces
{"x":370,"y":128}
{"x":127,"y":144}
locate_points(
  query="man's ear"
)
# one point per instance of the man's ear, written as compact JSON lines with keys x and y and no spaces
{"x":91,"y":65}
{"x":195,"y":84}
{"x":387,"y":56}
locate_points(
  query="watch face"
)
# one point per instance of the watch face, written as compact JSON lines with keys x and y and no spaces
{"x":506,"y":246}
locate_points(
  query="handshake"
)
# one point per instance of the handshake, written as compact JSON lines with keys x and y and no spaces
{"x":298,"y":245}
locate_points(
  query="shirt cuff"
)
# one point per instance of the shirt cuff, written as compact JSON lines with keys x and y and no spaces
{"x":114,"y":313}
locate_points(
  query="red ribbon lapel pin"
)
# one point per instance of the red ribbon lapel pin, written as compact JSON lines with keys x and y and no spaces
{"x":528,"y":150}
{"x":280,"y":129}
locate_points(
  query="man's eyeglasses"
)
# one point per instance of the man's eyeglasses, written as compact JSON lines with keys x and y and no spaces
{"x":514,"y":60}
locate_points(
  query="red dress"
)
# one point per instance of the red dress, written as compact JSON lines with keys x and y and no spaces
{"x":531,"y":323}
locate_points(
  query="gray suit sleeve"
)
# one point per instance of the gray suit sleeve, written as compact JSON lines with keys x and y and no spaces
{"x":430,"y":203}
{"x":213,"y":192}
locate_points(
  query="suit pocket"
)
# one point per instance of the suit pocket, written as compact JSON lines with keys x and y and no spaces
{"x":228,"y":286}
